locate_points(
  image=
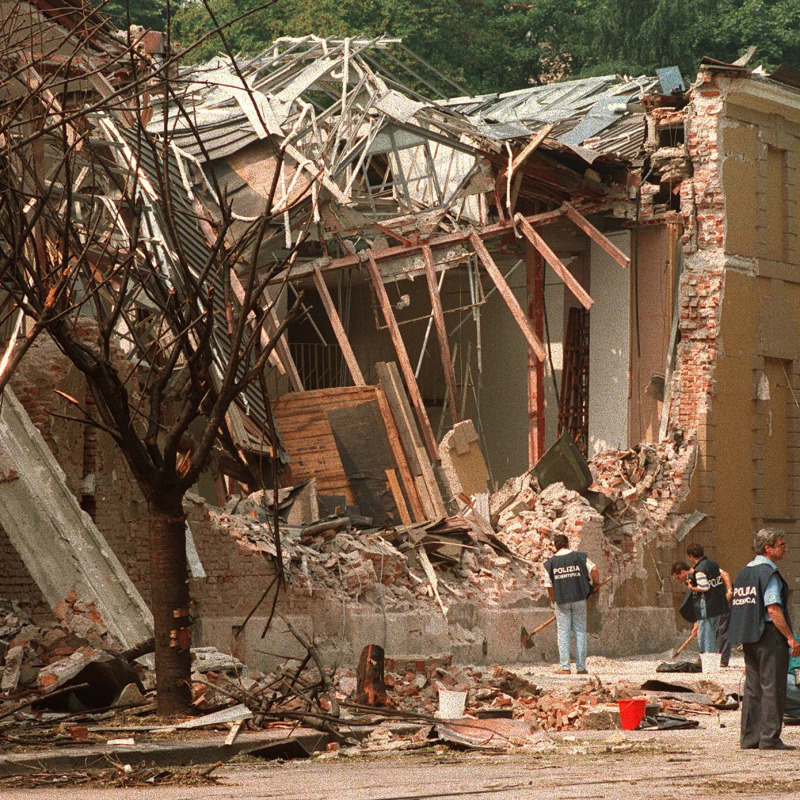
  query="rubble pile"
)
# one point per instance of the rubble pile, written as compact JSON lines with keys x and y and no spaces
{"x":333,"y":559}
{"x":527,"y":524}
{"x":643,"y":482}
{"x":496,"y":691}
{"x":641,"y":485}
{"x":29,"y":648}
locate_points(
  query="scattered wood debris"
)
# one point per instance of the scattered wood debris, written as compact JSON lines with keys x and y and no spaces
{"x":117,"y":776}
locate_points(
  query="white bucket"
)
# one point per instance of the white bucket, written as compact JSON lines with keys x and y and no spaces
{"x":710,"y":662}
{"x":451,"y":704}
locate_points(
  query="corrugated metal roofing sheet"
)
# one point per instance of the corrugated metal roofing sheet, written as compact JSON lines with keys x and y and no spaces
{"x":189,"y":238}
{"x":601,"y":114}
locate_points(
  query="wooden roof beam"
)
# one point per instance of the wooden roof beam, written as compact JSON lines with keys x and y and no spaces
{"x":443,"y":240}
{"x":338,"y":329}
{"x":555,"y":262}
{"x":441,"y":334}
{"x":526,"y":326}
{"x":596,"y":236}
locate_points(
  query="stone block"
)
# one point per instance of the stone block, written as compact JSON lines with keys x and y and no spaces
{"x":601,"y":718}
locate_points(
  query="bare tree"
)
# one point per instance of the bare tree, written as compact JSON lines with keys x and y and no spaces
{"x":104,"y":247}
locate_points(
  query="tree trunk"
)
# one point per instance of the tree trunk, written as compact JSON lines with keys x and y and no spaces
{"x":170,"y":606}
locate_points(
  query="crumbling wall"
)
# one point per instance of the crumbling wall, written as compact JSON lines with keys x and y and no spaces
{"x":121,"y":509}
{"x":736,"y":378}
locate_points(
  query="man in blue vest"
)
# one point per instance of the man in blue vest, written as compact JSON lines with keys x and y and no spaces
{"x":709,"y":596}
{"x":760,"y":622}
{"x":569,"y":579}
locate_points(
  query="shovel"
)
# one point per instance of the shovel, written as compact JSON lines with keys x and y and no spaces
{"x":526,"y":639}
{"x":676,"y":653}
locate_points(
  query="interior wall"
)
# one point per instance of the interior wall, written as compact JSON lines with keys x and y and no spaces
{"x":504,"y":400}
{"x":609,"y":348}
{"x":555,"y":295}
{"x":654,"y":318}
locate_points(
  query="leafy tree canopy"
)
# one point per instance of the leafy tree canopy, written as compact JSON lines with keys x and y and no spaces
{"x":488,"y":45}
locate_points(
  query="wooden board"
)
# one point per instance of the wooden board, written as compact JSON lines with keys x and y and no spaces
{"x":420,"y":467}
{"x":301,"y":419}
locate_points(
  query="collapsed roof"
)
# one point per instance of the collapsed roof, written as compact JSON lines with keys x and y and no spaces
{"x":354,"y":158}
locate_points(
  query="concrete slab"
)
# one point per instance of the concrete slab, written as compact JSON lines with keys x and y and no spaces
{"x":165,"y":754}
{"x":58,"y":542}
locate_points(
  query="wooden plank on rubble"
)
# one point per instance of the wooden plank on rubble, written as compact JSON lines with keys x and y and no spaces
{"x":555,"y":262}
{"x":338,"y":329}
{"x":508,"y":295}
{"x":402,"y":357}
{"x":397,"y":494}
{"x":441,"y":334}
{"x":597,"y":237}
{"x":403,"y":466}
{"x":427,"y":488}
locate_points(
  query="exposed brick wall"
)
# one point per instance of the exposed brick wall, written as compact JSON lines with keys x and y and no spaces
{"x":702,"y":281}
{"x":121,"y":510}
{"x":236,"y":575}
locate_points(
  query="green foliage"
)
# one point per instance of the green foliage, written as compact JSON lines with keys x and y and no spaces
{"x":147,"y":13}
{"x":489,"y":45}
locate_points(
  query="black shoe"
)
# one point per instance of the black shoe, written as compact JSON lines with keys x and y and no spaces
{"x":779,"y":745}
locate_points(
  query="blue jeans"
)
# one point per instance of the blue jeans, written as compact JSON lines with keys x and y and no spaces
{"x":571,"y":619}
{"x":707,"y":634}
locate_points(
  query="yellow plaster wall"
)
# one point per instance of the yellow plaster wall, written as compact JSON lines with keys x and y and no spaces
{"x":739,"y":181}
{"x":733,"y":414}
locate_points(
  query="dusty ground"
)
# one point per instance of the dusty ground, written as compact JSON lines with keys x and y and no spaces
{"x":591,"y":765}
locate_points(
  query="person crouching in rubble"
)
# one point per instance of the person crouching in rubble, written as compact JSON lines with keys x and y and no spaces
{"x":570,"y":577}
{"x":707,"y":601}
{"x":760,"y":622}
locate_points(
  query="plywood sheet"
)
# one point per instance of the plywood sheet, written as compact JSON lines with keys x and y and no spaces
{"x":366,"y":455}
{"x":305,"y":429}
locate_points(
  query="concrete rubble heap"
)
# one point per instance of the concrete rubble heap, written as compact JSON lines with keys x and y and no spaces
{"x":381,"y":565}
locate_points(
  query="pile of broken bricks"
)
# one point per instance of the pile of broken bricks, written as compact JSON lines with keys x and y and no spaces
{"x":642,"y":485}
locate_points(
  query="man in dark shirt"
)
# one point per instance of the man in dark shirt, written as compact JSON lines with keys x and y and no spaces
{"x":569,"y":579}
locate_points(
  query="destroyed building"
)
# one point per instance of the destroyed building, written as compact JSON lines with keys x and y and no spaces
{"x":608,"y":258}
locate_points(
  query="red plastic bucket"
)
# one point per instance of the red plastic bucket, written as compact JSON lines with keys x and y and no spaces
{"x":631,"y":712}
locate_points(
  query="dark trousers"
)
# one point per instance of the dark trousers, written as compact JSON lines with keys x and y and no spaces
{"x":723,"y":644}
{"x":766,"y":665}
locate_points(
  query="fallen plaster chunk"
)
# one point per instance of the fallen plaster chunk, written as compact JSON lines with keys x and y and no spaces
{"x":58,"y":542}
{"x":233,"y":714}
{"x":462,"y":459}
{"x":10,"y":679}
{"x":130,"y":696}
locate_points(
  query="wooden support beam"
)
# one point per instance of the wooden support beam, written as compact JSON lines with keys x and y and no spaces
{"x":597,"y":237}
{"x":426,"y":487}
{"x":534,"y":283}
{"x":285,"y":354}
{"x":276,"y":356}
{"x":441,"y":334}
{"x":338,"y":329}
{"x":555,"y":262}
{"x":529,"y":148}
{"x":403,"y":360}
{"x":297,"y":271}
{"x":534,"y":342}
{"x":397,"y":495}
